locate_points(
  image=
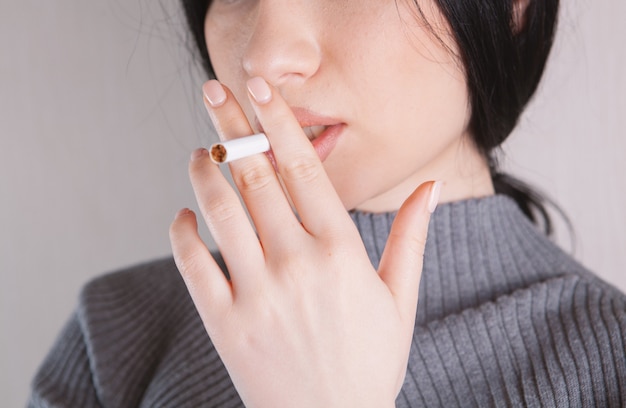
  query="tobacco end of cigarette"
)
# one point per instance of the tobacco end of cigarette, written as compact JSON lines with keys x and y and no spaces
{"x":218,"y":153}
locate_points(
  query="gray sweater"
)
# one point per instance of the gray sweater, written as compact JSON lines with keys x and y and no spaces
{"x":504,"y":318}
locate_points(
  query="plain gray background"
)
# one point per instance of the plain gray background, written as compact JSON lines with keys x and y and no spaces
{"x":99,"y":110}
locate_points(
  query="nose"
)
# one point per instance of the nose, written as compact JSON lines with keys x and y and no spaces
{"x":283,"y":45}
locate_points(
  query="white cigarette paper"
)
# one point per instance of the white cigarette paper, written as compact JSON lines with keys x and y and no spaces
{"x":239,"y":148}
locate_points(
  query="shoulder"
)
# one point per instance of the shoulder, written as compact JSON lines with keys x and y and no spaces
{"x":145,"y":340}
{"x":152,"y":283}
{"x":159,"y":273}
{"x":130,"y":300}
{"x":135,"y":339}
{"x":558,"y":342}
{"x":148,"y":298}
{"x":155,"y":278}
{"x":564,"y":331}
{"x":133,"y":308}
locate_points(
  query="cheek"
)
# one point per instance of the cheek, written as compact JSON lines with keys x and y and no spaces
{"x":412,"y":131}
{"x":431,"y":95}
{"x":225,"y":46}
{"x":225,"y":50}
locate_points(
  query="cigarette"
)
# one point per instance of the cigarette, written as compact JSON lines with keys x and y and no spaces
{"x":239,"y":148}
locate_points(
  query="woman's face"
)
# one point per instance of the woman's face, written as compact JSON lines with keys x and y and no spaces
{"x":372,"y":66}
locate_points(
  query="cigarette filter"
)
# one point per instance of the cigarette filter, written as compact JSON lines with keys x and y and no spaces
{"x":239,"y":148}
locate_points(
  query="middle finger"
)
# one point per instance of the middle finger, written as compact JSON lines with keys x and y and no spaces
{"x":314,"y":197}
{"x":254,"y":176}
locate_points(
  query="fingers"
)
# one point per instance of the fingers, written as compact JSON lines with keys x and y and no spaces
{"x":225,"y":113}
{"x":227,"y":221}
{"x":254,"y":176}
{"x":298,"y":164}
{"x":204,"y":279}
{"x":401,"y":263}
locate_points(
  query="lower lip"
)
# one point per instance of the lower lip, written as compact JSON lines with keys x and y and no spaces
{"x":323,"y":144}
{"x":326,"y":141}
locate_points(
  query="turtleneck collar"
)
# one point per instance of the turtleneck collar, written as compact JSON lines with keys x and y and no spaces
{"x":477,"y":250}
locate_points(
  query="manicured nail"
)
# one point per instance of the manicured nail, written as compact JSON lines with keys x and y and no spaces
{"x":181,"y":212}
{"x":260,"y":90}
{"x":214,"y":93}
{"x":199,"y":153}
{"x":434,"y":196}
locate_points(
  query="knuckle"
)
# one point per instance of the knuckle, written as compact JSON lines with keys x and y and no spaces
{"x":219,"y":209}
{"x":189,"y":265}
{"x":288,"y":260}
{"x":414,"y":244}
{"x":301,"y":170}
{"x":254,"y":178}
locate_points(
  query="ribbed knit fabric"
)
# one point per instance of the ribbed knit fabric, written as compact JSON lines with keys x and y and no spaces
{"x":504,"y":318}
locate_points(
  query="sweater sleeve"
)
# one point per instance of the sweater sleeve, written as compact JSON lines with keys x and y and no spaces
{"x":65,"y":379}
{"x":556,"y":343}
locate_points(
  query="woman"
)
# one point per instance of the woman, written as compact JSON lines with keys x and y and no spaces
{"x":363,"y":103}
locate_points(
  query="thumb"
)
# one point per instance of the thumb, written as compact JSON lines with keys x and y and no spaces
{"x":401,"y":263}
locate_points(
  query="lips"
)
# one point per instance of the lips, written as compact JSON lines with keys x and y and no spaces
{"x":322,"y":131}
{"x":326,"y":141}
{"x":313,"y":132}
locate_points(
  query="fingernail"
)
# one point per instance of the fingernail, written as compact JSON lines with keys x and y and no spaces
{"x":434,"y":196}
{"x":214,"y":93}
{"x":198,"y":153}
{"x":260,"y":90}
{"x":181,"y":212}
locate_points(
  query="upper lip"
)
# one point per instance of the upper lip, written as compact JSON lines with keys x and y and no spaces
{"x":307,"y":118}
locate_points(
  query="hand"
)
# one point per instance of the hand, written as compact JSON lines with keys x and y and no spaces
{"x":305,"y":319}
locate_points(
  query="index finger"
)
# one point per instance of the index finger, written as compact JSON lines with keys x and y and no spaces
{"x":299,"y":165}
